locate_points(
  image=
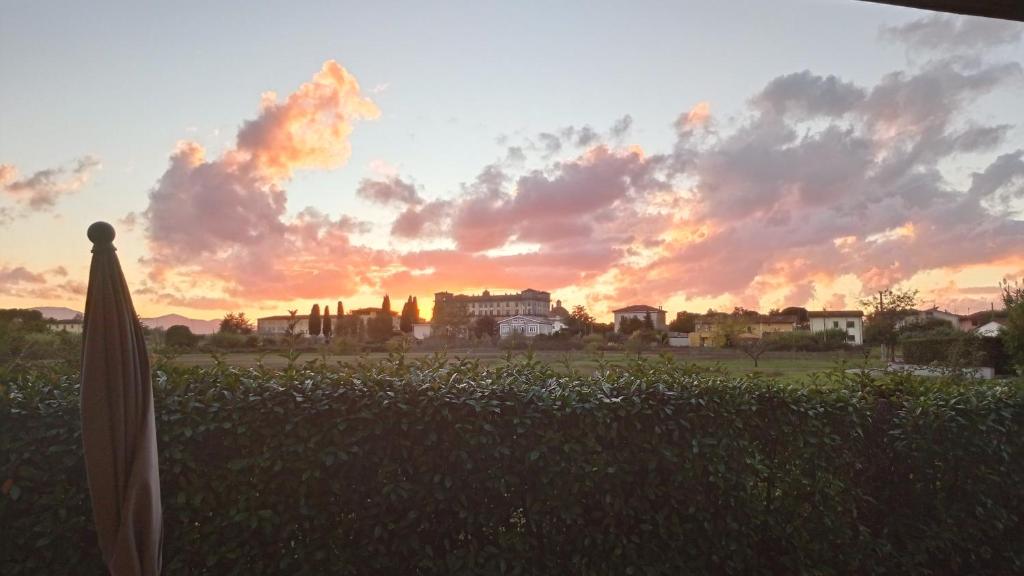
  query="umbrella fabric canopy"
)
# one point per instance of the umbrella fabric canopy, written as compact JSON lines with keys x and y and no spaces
{"x":118,"y":422}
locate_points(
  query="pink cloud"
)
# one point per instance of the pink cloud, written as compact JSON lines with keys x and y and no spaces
{"x":41,"y":190}
{"x":225,"y":219}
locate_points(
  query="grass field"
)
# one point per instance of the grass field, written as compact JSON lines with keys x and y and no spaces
{"x":782,"y":365}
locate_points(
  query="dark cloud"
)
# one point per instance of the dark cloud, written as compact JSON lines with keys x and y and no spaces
{"x":621,"y":127}
{"x":944,"y":33}
{"x":393,"y":190}
{"x":804,"y":94}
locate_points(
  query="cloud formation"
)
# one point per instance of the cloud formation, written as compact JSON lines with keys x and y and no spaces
{"x":945,"y":33}
{"x":225,"y":219}
{"x":20,"y":282}
{"x":41,"y":190}
{"x":820,"y":180}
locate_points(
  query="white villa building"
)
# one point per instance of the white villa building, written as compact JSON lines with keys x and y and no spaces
{"x":527,"y":302}
{"x":421,"y":330}
{"x":73,"y":326}
{"x":991,"y":329}
{"x":640,"y":311}
{"x":528,"y":326}
{"x":932,"y":313}
{"x":850,"y":321}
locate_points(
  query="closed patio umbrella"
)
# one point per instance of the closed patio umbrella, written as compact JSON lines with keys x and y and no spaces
{"x":118,"y":421}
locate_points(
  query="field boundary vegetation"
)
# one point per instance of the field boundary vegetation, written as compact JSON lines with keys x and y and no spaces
{"x":441,"y":466}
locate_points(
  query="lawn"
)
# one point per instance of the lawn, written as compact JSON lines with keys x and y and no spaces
{"x":789,"y":366}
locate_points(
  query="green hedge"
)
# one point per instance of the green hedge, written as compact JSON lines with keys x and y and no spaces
{"x":448,"y":468}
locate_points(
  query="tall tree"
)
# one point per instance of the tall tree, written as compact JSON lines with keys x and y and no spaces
{"x":450,"y":319}
{"x":408,"y":317}
{"x":885,"y":312}
{"x":327,"y":328}
{"x":1013,"y":334}
{"x":580,"y":321}
{"x":235,"y":324}
{"x":379,"y":328}
{"x":340,"y":313}
{"x":386,"y":305}
{"x":485,"y":326}
{"x":648,"y":322}
{"x":684,"y":322}
{"x":415,"y":310}
{"x":314,"y":320}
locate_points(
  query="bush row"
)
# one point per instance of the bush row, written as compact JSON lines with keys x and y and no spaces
{"x":438,"y":467}
{"x":956,"y":349}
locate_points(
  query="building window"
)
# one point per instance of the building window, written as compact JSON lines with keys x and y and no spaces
{"x":835,"y":323}
{"x":849,"y":324}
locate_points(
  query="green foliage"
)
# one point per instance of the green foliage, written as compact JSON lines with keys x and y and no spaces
{"x":943,"y":346}
{"x":884,"y":316}
{"x":439,"y":466}
{"x":807,"y":341}
{"x":314,"y":323}
{"x":485,"y":326}
{"x":18,"y":334}
{"x":235,"y":324}
{"x":380,"y":328}
{"x":327,"y":325}
{"x":580,"y":321}
{"x":684,"y":322}
{"x":231,"y":341}
{"x":1013,"y":334}
{"x":179,"y":336}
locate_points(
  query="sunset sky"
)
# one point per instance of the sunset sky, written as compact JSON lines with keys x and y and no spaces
{"x":261,"y":156}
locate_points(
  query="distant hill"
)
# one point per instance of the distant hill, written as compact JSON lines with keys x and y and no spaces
{"x":197,"y":326}
{"x":166,"y":321}
{"x":58,"y":312}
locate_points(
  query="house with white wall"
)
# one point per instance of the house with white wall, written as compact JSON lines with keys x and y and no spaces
{"x":850,"y":321}
{"x":640,"y":312}
{"x":528,"y":326}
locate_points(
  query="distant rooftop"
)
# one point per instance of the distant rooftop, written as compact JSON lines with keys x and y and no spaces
{"x":637,"y":308}
{"x":834,"y":313}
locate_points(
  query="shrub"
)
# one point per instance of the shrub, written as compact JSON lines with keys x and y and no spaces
{"x":227,"y":341}
{"x":807,"y":341}
{"x":180,"y":336}
{"x":430,"y":467}
{"x":947,"y":347}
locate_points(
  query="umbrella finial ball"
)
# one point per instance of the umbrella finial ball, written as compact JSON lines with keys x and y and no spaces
{"x":101,"y":233}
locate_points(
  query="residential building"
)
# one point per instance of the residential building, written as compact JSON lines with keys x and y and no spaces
{"x":365,"y":314}
{"x":714,"y":329}
{"x":929,"y":314}
{"x":421,"y":330}
{"x":850,"y":321}
{"x":528,"y":326}
{"x":970,"y":322}
{"x":640,"y":312}
{"x":72,"y":326}
{"x":529,"y":302}
{"x":990,"y":329}
{"x":678,"y":339}
{"x":279,"y":324}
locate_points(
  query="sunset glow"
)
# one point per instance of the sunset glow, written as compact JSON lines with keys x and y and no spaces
{"x":804,"y":181}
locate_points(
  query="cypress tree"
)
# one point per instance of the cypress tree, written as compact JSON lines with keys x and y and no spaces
{"x":327,"y":329}
{"x":415,"y":310}
{"x":386,"y":305}
{"x":314,"y":320}
{"x":407,"y":319}
{"x":340,"y":312}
